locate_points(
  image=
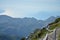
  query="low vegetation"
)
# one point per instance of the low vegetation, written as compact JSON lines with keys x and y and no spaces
{"x":55,"y":24}
{"x":59,"y":37}
{"x":23,"y":38}
{"x":38,"y":34}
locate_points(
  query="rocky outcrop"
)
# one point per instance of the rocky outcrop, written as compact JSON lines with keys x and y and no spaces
{"x":54,"y":35}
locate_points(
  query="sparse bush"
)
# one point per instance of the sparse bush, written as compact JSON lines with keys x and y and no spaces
{"x":57,"y":20}
{"x":23,"y":38}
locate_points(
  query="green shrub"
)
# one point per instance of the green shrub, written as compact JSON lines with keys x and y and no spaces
{"x":23,"y":38}
{"x":57,"y":20}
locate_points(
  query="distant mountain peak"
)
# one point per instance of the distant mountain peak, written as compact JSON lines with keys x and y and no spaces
{"x":58,"y":16}
{"x":5,"y":16}
{"x":52,"y":17}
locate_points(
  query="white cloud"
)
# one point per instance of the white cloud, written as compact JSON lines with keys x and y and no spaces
{"x":28,"y":7}
{"x":8,"y":12}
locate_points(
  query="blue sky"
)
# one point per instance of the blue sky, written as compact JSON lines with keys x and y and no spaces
{"x":40,"y":9}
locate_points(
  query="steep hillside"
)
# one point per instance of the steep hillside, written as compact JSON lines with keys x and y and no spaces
{"x":40,"y":34}
{"x":55,"y":24}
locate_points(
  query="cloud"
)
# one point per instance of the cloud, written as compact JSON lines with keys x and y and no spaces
{"x":24,"y":8}
{"x":8,"y":12}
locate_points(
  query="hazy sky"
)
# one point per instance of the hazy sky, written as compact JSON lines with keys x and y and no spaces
{"x":40,"y":9}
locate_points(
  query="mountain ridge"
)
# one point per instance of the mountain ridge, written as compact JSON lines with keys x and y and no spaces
{"x":20,"y":26}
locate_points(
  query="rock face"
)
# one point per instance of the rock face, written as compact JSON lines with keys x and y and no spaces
{"x":54,"y":35}
{"x":51,"y":36}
